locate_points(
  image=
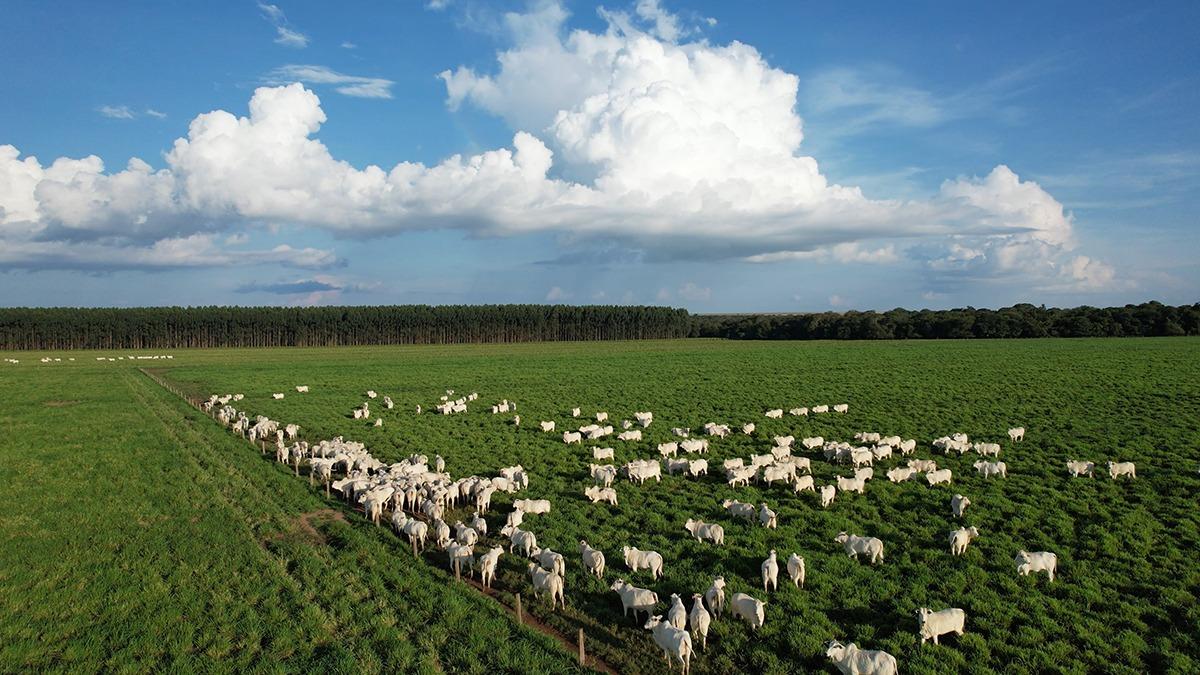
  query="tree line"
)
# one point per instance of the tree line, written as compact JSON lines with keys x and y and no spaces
{"x":1151,"y":319}
{"x":181,"y":327}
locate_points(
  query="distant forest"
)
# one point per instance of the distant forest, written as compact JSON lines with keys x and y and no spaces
{"x":1151,"y":319}
{"x":180,"y":327}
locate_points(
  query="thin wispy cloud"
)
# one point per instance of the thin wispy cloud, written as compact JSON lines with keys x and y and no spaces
{"x":349,"y":45}
{"x":116,"y":112}
{"x":347,"y":85}
{"x":154,"y":113}
{"x":284,"y":34}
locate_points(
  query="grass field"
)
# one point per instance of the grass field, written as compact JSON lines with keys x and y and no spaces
{"x":139,"y":534}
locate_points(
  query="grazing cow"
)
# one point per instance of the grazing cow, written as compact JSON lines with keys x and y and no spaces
{"x":931,"y":625}
{"x":533,"y":506}
{"x":741,"y":510}
{"x":574,"y":412}
{"x":1042,"y":561}
{"x":277,"y":397}
{"x":698,"y":467}
{"x":907,"y":447}
{"x":548,"y":582}
{"x":795,"y":568}
{"x":775,"y":414}
{"x":900,"y":474}
{"x":699,"y":619}
{"x":813,"y":442}
{"x":841,"y":407}
{"x":601,"y":417}
{"x":599,"y":494}
{"x":939,"y":476}
{"x":828,"y":492}
{"x":820,"y":409}
{"x":694,"y":445}
{"x":572,"y":437}
{"x":672,"y":641}
{"x":603,"y":474}
{"x":748,"y":608}
{"x":636,"y":560}
{"x":518,"y":538}
{"x":851,"y":484}
{"x":804,"y":483}
{"x":702,"y":530}
{"x":602,"y":453}
{"x":958,"y":504}
{"x":668,"y":449}
{"x":799,"y":412}
{"x":637,"y":599}
{"x":546,"y":426}
{"x":770,"y":572}
{"x":925,"y":465}
{"x":1117,"y":469}
{"x":961,"y":538}
{"x":987,"y":449}
{"x":632,"y":435}
{"x":1016,"y":434}
{"x":850,"y":660}
{"x":855,"y":545}
{"x":989,"y":469}
{"x":551,"y":560}
{"x":674,"y":465}
{"x":715,"y":596}
{"x":865,"y":474}
{"x":748,"y":428}
{"x":302,"y":389}
{"x":1077,"y":468}
{"x":593,"y":559}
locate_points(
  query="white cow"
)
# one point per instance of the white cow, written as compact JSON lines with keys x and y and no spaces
{"x":694,"y":445}
{"x":601,"y":417}
{"x":548,"y":582}
{"x":740,"y":509}
{"x":795,"y":568}
{"x":637,"y":599}
{"x":851,"y":484}
{"x":602,"y":453}
{"x":864,"y":474}
{"x":813,"y":442}
{"x":302,"y":389}
{"x":551,"y":560}
{"x":850,"y":660}
{"x":534,"y":506}
{"x":371,"y":394}
{"x":939,"y":476}
{"x":748,"y":608}
{"x":989,"y":469}
{"x":599,"y":494}
{"x":572,"y":437}
{"x":931,"y":625}
{"x":804,"y":483}
{"x":958,"y":504}
{"x":636,"y":560}
{"x":672,"y":641}
{"x":819,"y":409}
{"x":668,"y":449}
{"x":799,"y":412}
{"x":702,"y":530}
{"x":518,"y":538}
{"x":925,"y":465}
{"x":841,"y":407}
{"x":1077,"y":468}
{"x":277,"y":396}
{"x":768,"y":518}
{"x":631,"y":435}
{"x":900,"y":474}
{"x":1016,"y":434}
{"x":698,"y":467}
{"x":1041,"y":561}
{"x":487,"y":565}
{"x":715,"y":596}
{"x":677,"y":614}
{"x":574,"y":412}
{"x":1117,"y":469}
{"x":699,"y":619}
{"x":547,"y":426}
{"x":855,"y":545}
{"x":987,"y":449}
{"x":593,"y":559}
{"x":775,"y":414}
{"x":961,"y":538}
{"x":748,"y":428}
{"x":770,"y":572}
{"x":828,"y":492}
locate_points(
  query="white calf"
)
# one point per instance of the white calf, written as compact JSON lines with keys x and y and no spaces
{"x":855,"y":545}
{"x":931,"y":625}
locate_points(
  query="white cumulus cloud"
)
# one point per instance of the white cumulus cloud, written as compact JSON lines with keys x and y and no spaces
{"x":674,"y":149}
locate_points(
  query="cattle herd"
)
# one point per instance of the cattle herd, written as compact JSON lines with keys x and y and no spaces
{"x":419,"y":493}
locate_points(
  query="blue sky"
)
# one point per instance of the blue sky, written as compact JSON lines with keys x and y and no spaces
{"x":752,"y":156}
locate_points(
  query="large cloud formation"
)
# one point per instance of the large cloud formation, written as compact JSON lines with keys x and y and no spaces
{"x":680,"y":150}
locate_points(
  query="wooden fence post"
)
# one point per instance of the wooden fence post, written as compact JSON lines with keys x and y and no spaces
{"x":582,"y":654}
{"x":520,"y":614}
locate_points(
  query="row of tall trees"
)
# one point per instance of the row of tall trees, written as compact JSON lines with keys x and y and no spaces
{"x":178,"y":327}
{"x":1150,"y":319}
